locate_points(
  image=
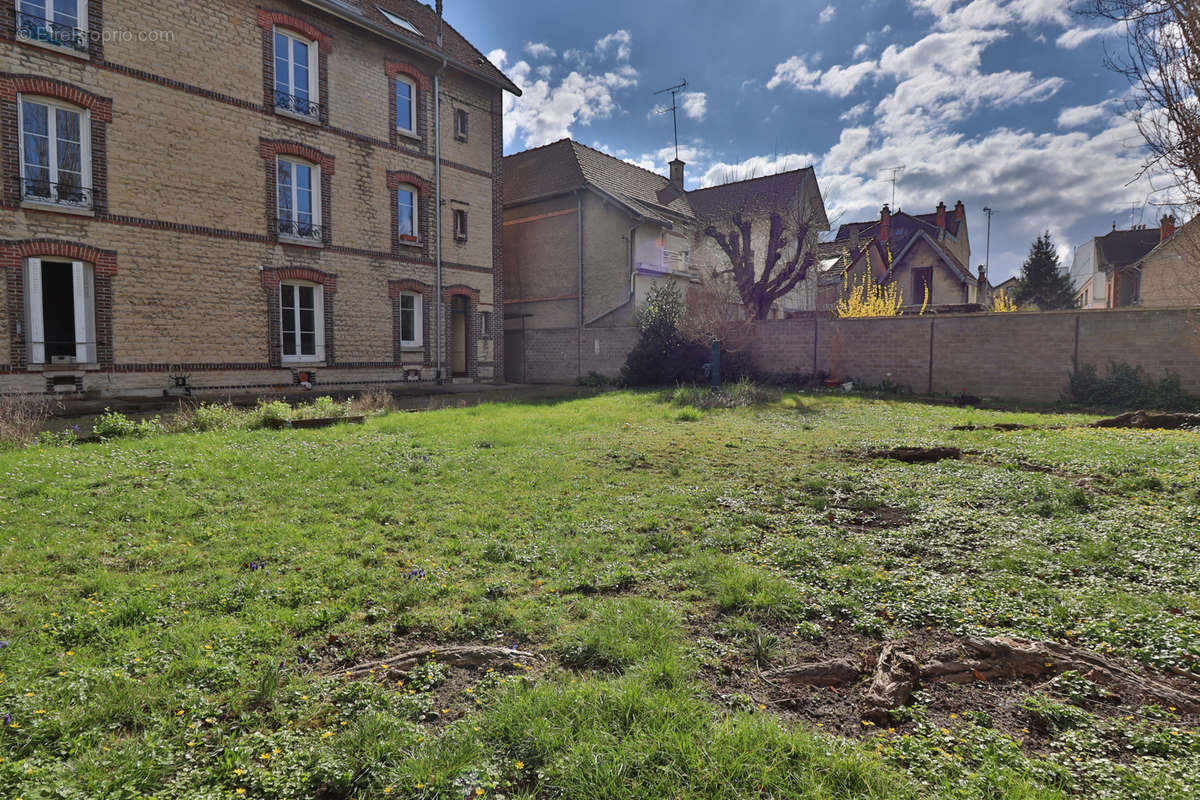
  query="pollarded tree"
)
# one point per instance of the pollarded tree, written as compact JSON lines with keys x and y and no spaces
{"x":1042,"y":283}
{"x":790,"y":252}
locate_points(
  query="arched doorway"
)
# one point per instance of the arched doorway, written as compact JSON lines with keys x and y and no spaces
{"x":459,"y":307}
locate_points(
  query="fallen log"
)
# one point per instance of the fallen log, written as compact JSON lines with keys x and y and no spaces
{"x":837,"y":672}
{"x":1149,"y":420}
{"x":452,"y":656}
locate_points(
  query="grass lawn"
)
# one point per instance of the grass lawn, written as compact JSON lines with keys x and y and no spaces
{"x":173,"y":607}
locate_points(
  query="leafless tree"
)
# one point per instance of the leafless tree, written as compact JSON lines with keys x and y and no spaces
{"x":791,"y":227}
{"x":712,"y":310}
{"x":1161,"y":60}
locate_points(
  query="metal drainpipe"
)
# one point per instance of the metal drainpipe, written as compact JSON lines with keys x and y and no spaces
{"x":439,"y":310}
{"x":579,"y":248}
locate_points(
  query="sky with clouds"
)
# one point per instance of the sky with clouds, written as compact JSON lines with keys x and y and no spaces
{"x":1000,"y":103}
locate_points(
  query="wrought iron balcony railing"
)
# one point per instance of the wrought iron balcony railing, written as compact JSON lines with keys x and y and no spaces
{"x":297,"y":105}
{"x":32,"y":28}
{"x":291,"y":229}
{"x":64,"y":194}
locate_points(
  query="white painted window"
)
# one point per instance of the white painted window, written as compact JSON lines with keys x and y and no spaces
{"x":55,"y":152}
{"x":460,"y":224}
{"x":406,"y":105}
{"x":302,"y":322}
{"x":485,"y":323}
{"x":411,"y":330}
{"x":296,"y":68}
{"x":462,"y":121}
{"x":298,"y":188}
{"x":406,"y":213}
{"x":60,"y":311}
{"x":62,"y":23}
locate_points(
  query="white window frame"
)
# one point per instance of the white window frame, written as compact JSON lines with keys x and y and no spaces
{"x":316,"y":199}
{"x":84,"y":293}
{"x":418,"y":302}
{"x":314,"y":67}
{"x":462,"y":133}
{"x":318,"y":356}
{"x":81,"y":18}
{"x":460,"y":234}
{"x":85,"y":146}
{"x":412,"y":104}
{"x":416,"y":214}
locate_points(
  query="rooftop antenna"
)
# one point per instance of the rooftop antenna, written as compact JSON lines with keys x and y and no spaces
{"x":895,"y":179}
{"x":439,"y":24}
{"x":674,"y":90}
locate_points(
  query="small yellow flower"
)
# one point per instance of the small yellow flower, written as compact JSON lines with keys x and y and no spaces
{"x":479,"y":792}
{"x":520,"y":765}
{"x":239,"y":771}
{"x":387,"y":790}
{"x":240,"y":790}
{"x":265,"y":756}
{"x":326,"y":734}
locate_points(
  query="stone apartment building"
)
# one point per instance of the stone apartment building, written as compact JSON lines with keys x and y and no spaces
{"x":587,"y":235}
{"x":243,"y":193}
{"x":1148,"y":267}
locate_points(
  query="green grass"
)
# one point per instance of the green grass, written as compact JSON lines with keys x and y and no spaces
{"x":173,"y":604}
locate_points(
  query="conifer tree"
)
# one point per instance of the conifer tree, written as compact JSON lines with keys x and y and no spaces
{"x":1042,"y":283}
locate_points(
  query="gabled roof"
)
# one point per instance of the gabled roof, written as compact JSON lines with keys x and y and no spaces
{"x":567,"y":165}
{"x":753,"y":195}
{"x":1122,"y":248}
{"x":1164,"y":243}
{"x":461,"y":52}
{"x":906,"y":231}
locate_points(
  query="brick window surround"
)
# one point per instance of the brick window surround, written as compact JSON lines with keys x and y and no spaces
{"x":100,"y":113}
{"x":268,"y":20}
{"x":423,"y":86}
{"x":425,"y":226}
{"x":93,"y":24}
{"x":472,"y":296}
{"x":395,"y":289}
{"x":272,"y":277}
{"x":270,"y":150}
{"x":12,"y":265}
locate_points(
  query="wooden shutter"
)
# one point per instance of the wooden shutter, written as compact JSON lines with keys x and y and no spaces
{"x":33,"y":304}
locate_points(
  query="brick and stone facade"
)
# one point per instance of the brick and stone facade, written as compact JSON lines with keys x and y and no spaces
{"x":179,"y":236}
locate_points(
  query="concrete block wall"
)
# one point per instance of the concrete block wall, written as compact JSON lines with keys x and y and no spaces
{"x":562,"y":355}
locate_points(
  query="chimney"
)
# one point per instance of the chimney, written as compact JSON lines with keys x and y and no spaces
{"x":677,"y":173}
{"x":960,"y":212}
{"x":885,"y":225}
{"x":439,"y":23}
{"x":941,"y":216}
{"x":1168,"y":228}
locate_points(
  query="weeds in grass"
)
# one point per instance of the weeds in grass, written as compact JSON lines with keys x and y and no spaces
{"x":21,"y":419}
{"x":620,"y":632}
{"x":742,"y":394}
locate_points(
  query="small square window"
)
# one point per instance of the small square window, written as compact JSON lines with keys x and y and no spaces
{"x":460,"y":225}
{"x":461,"y":124}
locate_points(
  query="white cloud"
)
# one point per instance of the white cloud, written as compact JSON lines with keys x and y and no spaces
{"x":1076,"y":37}
{"x":826,"y":14}
{"x":861,"y":50}
{"x":539,"y":50}
{"x":695,"y":154}
{"x":549,"y":110}
{"x":620,"y":40}
{"x":1077,"y":116}
{"x":855,"y":113}
{"x":695,"y":105}
{"x":838,"y":81}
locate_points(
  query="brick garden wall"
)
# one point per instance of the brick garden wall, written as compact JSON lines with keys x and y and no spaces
{"x":561,"y":355}
{"x":1026,"y":357}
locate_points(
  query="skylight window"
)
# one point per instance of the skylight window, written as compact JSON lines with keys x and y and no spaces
{"x":398,"y":21}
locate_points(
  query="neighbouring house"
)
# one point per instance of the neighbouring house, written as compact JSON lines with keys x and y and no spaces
{"x":245,"y":197}
{"x":586,"y":236}
{"x":1147,"y":267}
{"x":925,"y":255}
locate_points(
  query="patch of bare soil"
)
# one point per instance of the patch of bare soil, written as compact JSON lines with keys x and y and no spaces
{"x":915,"y":455}
{"x":1149,"y":420}
{"x":1000,"y":426}
{"x":839,"y":682}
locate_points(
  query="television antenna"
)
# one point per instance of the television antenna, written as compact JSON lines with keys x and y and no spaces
{"x":674,"y":109}
{"x":987,"y":259}
{"x":896,"y":172}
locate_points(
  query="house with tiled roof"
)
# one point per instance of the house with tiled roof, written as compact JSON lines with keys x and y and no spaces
{"x":586,"y":235}
{"x":1105,"y":270}
{"x":926,"y":255}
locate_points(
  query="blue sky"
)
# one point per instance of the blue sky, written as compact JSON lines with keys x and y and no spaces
{"x":1001,"y":103}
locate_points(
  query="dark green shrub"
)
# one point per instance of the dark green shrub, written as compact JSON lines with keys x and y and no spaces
{"x":1128,"y":388}
{"x":662,"y":355}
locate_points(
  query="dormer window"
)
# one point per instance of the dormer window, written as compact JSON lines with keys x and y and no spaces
{"x":61,"y":23}
{"x":296,"y":70}
{"x":55,"y":153}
